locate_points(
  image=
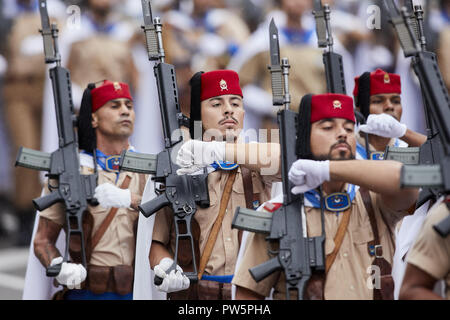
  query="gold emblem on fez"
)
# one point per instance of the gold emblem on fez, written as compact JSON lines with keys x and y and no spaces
{"x":117,"y":86}
{"x":386,"y":78}
{"x":223,"y":85}
{"x":337,"y":104}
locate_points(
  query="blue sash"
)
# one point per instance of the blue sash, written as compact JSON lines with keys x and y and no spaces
{"x":221,"y":279}
{"x":224,"y":165}
{"x":89,"y":295}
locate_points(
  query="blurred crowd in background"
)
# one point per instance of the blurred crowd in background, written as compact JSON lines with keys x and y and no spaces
{"x":102,"y":39}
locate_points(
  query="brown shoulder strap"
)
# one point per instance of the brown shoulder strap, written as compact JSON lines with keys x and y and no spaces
{"x":109,"y":218}
{"x":365,"y":195}
{"x":338,"y":239}
{"x":247,"y":182}
{"x":217,"y":224}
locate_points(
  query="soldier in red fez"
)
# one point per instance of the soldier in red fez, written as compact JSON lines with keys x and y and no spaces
{"x":105,"y":124}
{"x":377,"y":97}
{"x":360,"y":201}
{"x":217,"y":113}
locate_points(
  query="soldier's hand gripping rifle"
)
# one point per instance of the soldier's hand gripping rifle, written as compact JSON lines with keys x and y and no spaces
{"x":63,"y":165}
{"x":182,"y":193}
{"x":297,"y":254}
{"x":437,"y":104}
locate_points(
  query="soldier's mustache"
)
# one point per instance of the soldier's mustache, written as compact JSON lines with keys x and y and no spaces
{"x":228,"y":118}
{"x":340,"y":142}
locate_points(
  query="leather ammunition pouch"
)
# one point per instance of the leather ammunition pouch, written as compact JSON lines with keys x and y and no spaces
{"x":117,"y":279}
{"x":204,"y":290}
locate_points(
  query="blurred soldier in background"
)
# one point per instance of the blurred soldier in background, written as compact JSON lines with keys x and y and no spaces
{"x":23,"y":89}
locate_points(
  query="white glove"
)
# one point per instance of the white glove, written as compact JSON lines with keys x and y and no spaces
{"x":108,"y":195}
{"x":194,"y":155}
{"x":308,"y":174}
{"x":71,"y":274}
{"x":384,"y":125}
{"x":174,"y":281}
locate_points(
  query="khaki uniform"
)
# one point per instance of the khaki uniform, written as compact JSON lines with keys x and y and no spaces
{"x":226,"y":248}
{"x":431,"y":252}
{"x":92,"y":59}
{"x":348,"y":276}
{"x":117,"y":246}
{"x":23,"y":93}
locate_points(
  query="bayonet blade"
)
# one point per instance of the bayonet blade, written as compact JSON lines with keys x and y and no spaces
{"x":45,"y":20}
{"x":402,"y":25}
{"x":147,"y":12}
{"x":319,"y":16}
{"x":275,"y":67}
{"x":274,"y":44}
{"x":47,"y":33}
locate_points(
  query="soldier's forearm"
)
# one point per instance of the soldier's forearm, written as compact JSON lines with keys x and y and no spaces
{"x":378,"y":176}
{"x":157,"y":253}
{"x":260,"y":157}
{"x":414,"y":139}
{"x":44,"y":241}
{"x":382,"y":177}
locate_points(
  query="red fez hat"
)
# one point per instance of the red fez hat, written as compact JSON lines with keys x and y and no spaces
{"x":331,"y":105}
{"x":109,"y":91}
{"x":381,"y":82}
{"x":219,"y":83}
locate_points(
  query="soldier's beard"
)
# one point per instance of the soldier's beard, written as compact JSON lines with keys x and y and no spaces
{"x":342,"y":155}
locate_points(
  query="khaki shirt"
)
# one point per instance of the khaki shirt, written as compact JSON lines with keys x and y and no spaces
{"x":117,"y":246}
{"x":431,"y":252}
{"x":348,"y":276}
{"x":225,"y":251}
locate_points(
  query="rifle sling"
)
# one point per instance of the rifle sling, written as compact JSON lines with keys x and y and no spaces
{"x":109,"y":218}
{"x":338,"y":239}
{"x":386,"y":291}
{"x":247,"y":182}
{"x":217,"y":224}
{"x":365,"y":195}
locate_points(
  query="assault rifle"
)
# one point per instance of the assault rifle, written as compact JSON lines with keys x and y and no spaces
{"x":63,"y":165}
{"x":297,"y":254}
{"x":437,"y":104}
{"x":182,"y":193}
